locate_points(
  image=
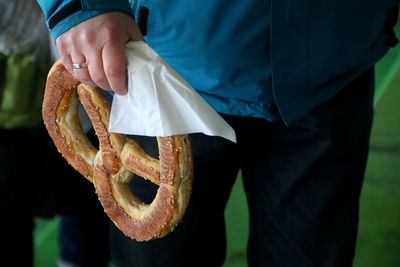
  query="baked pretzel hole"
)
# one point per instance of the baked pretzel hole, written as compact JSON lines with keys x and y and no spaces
{"x":113,"y":163}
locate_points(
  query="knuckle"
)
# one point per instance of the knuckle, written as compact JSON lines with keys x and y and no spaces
{"x":110,"y":35}
{"x":110,"y":31}
{"x":87,"y":81}
{"x":113,"y":71}
{"x":62,"y":47}
{"x":64,"y":60}
{"x":99,"y":79}
{"x":87,"y":37}
{"x":83,"y":78}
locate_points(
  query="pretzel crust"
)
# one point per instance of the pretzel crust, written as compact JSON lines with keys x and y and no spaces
{"x":118,"y":159}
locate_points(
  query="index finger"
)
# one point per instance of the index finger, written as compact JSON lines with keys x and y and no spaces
{"x":114,"y":62}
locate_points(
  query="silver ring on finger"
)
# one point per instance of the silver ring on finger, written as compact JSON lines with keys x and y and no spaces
{"x":77,"y":66}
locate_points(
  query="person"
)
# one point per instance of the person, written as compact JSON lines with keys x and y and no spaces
{"x":295,"y":79}
{"x":35,"y":180}
{"x":24,"y":61}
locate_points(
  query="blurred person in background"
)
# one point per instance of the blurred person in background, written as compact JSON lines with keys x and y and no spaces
{"x":34,"y":179}
{"x":24,"y":61}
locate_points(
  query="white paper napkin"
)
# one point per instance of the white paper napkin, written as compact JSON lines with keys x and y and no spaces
{"x":160,"y":102}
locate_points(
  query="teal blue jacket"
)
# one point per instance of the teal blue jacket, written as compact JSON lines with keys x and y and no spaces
{"x":246,"y":57}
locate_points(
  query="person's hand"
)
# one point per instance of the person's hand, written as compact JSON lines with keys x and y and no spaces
{"x":99,"y":42}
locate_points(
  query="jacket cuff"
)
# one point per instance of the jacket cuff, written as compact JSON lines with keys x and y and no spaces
{"x":76,"y":12}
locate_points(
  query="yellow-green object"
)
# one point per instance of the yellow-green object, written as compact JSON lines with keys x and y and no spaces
{"x":22,"y":85}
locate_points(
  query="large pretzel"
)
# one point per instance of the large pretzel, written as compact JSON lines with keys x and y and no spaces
{"x":118,"y":158}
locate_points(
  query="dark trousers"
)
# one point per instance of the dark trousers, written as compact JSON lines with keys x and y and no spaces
{"x":83,"y":232}
{"x":302,"y":183}
{"x":36,"y":181}
{"x":18,"y":152}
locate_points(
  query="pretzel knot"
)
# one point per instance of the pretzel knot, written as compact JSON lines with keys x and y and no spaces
{"x":118,"y":159}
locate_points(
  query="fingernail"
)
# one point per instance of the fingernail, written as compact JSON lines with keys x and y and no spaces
{"x":121,"y":92}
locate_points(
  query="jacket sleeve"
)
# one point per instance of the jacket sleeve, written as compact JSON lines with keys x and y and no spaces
{"x":61,"y":15}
